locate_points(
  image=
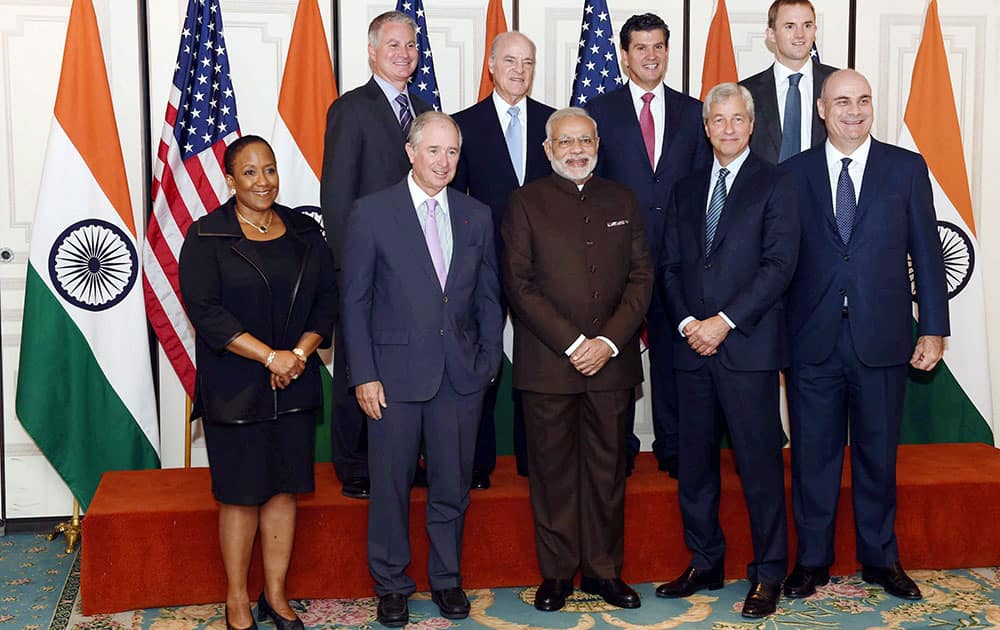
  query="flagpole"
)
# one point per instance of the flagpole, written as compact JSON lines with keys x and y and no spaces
{"x":70,"y":529}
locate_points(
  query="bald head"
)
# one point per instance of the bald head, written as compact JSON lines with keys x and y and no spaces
{"x":845,"y":105}
{"x":512,"y":64}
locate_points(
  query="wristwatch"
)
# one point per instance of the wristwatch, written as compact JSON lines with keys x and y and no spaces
{"x":300,"y":353}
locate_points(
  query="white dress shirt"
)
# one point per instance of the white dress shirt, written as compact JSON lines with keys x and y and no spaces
{"x":781,"y":74}
{"x":657,"y":108}
{"x":734,"y":169}
{"x":505,"y":120}
{"x":443,"y":216}
{"x":856,"y":169}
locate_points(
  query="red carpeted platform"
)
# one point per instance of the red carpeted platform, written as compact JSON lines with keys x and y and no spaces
{"x":150,"y":537}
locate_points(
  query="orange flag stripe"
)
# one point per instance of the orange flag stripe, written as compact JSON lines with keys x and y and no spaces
{"x":85,"y":111}
{"x":496,"y":23}
{"x":932,"y":118}
{"x":307,"y":87}
{"x":720,"y":60}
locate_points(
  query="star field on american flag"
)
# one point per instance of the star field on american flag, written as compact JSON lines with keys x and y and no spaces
{"x":206,"y":111}
{"x":814,"y":53}
{"x":597,"y":62}
{"x":423,"y":83}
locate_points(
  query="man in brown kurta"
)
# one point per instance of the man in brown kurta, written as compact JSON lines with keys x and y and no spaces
{"x":577,"y":273}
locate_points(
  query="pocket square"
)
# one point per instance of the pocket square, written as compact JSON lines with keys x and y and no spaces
{"x":617,"y":223}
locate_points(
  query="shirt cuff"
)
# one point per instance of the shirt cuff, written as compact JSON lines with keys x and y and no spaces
{"x":576,"y":344}
{"x":611,"y":344}
{"x":726,"y":319}
{"x":684,"y":322}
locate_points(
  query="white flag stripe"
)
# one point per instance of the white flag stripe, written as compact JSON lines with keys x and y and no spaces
{"x":299,"y":185}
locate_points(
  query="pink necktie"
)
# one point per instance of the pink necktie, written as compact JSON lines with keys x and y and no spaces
{"x":648,"y":132}
{"x":434,"y":241}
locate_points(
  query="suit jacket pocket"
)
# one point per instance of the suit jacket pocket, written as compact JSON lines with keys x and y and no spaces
{"x":391,"y":337}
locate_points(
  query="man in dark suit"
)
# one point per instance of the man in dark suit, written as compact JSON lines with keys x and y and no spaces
{"x":366,"y":129}
{"x":422,"y":325}
{"x":730,"y":255}
{"x":784,"y":94}
{"x":650,"y":138}
{"x":509,"y":128}
{"x":577,"y":273}
{"x":850,"y":317}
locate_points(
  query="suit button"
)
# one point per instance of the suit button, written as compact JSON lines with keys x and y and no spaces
{"x":701,"y":300}
{"x":583,"y":197}
{"x":586,"y":219}
{"x":846,"y":257}
{"x":842,"y":291}
{"x":595,"y":321}
{"x":588,"y":243}
{"x":445,"y":299}
{"x":658,"y":209}
{"x":441,"y":332}
{"x":593,"y":268}
{"x":597,"y":294}
{"x":656,"y":180}
{"x":708,"y":266}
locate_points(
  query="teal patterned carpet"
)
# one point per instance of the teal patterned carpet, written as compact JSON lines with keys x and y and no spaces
{"x":39,"y":588}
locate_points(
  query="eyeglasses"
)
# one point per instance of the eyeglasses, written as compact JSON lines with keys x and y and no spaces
{"x":565,"y":142}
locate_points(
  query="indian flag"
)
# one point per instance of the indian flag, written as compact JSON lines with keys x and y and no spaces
{"x":953,"y":402}
{"x":84,"y":386}
{"x":307,"y":90}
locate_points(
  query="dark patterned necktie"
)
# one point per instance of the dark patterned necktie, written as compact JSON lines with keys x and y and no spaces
{"x":847,"y":204}
{"x":405,"y":118}
{"x":791,"y":133}
{"x":715,"y":210}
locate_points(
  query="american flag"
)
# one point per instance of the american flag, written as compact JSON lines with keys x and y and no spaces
{"x":188,"y":180}
{"x":814,"y":53}
{"x":423,"y":83}
{"x":597,"y":63}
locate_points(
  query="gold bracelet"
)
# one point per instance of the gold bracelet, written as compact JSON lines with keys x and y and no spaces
{"x":270,"y":358}
{"x":300,"y":353}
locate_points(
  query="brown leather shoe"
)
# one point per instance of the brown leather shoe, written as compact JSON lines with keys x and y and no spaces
{"x":690,"y":582}
{"x":804,"y":580}
{"x":893,"y":579}
{"x":761,"y":601}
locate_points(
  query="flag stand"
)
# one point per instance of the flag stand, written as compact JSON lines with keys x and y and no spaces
{"x":70,"y":529}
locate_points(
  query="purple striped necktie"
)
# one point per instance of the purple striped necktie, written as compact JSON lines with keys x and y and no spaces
{"x":405,"y":118}
{"x":434,"y":241}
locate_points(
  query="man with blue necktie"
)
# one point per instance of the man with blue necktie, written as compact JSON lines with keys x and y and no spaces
{"x":865,"y":209}
{"x":509,"y":129}
{"x":785,"y":93}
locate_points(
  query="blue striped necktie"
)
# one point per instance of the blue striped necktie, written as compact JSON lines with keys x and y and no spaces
{"x":405,"y":118}
{"x":715,"y":210}
{"x":847,"y":203}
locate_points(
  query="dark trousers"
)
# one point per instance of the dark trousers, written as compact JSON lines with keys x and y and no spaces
{"x":448,"y":423}
{"x":576,"y":454}
{"x":661,"y":387}
{"x":823,"y":401}
{"x":348,"y":430}
{"x":748,"y":403}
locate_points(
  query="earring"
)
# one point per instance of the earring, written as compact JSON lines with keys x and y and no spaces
{"x":232,"y":191}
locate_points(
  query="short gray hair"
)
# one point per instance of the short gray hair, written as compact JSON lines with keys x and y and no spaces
{"x":421,"y":121}
{"x":724,"y":92}
{"x":567,"y":112}
{"x":499,"y":39}
{"x":375,"y":28}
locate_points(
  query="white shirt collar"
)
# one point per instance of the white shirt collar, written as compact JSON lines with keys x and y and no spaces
{"x":782,"y":72}
{"x":733,"y":167}
{"x":859,"y":158}
{"x":390,"y":92}
{"x":638,"y":92}
{"x":418,"y":196}
{"x":502,"y":107}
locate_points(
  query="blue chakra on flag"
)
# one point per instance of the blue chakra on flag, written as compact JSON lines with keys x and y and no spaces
{"x":959,"y":259}
{"x":93,"y":264}
{"x":313,"y":213}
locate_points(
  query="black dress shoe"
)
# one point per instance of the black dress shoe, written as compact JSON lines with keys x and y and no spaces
{"x":552,"y":594}
{"x":264,"y":610}
{"x":893,"y":579}
{"x":690,"y":582}
{"x":229,"y":626}
{"x":669,"y":465}
{"x":392,"y":610}
{"x":613,"y":591}
{"x":359,"y":488}
{"x":804,"y":580}
{"x":452,"y":603}
{"x":480,"y":480}
{"x":761,"y":601}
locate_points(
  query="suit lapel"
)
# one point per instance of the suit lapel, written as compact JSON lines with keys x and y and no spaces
{"x":734,"y":205}
{"x":494,"y":141}
{"x":818,"y":127}
{"x":767,"y":112}
{"x":459,"y":235}
{"x":535,"y":163}
{"x":819,"y":181}
{"x":671,"y":125}
{"x":699,"y":211}
{"x":626,"y":113}
{"x":875,"y":171}
{"x":381,"y":108}
{"x":412,"y":235}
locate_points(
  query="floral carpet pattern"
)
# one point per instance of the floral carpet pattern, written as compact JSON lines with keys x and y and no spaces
{"x":39,"y":588}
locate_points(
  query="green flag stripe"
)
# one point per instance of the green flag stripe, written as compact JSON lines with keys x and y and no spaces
{"x":66,"y":404}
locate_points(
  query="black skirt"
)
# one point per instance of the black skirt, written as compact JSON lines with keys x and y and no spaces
{"x":250,"y":463}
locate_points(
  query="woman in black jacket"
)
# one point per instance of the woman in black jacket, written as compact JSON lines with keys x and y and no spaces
{"x":258,"y":285}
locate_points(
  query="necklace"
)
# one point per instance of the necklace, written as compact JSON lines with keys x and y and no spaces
{"x":261,"y":228}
